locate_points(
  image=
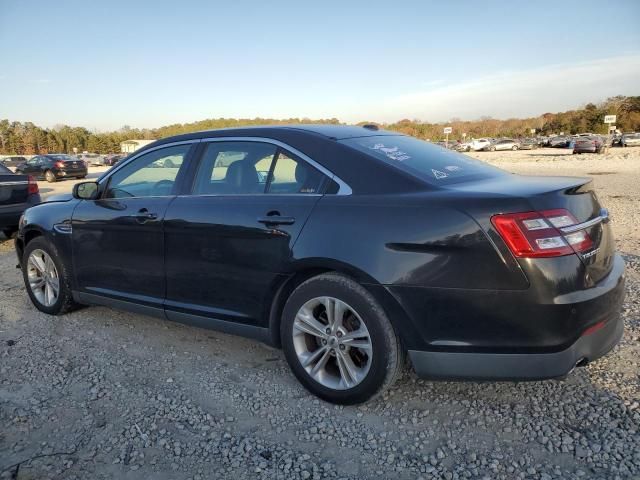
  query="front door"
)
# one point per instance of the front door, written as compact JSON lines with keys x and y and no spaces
{"x":118,"y":243}
{"x":229,"y":240}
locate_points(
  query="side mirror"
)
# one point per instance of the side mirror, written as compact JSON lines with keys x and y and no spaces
{"x":85,"y":190}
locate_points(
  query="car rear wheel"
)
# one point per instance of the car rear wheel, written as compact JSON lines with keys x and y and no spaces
{"x":515,"y":147}
{"x":338,"y":341}
{"x":47,"y":278}
{"x":50,"y":176}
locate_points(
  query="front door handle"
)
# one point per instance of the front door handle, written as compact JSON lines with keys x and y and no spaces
{"x":143,"y":215}
{"x":277,"y":220}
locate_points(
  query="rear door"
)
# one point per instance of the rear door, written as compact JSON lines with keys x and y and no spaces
{"x":118,"y":241}
{"x":229,"y":240}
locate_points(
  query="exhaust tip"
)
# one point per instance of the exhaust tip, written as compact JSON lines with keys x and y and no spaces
{"x":582,"y":362}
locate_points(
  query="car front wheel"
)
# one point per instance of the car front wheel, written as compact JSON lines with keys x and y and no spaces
{"x":46,"y":278}
{"x":338,"y":341}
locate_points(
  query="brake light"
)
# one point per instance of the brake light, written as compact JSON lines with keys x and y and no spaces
{"x":32,"y":187}
{"x":538,"y":234}
{"x":59,"y":164}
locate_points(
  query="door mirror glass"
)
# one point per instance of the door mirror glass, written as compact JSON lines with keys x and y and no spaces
{"x":85,"y":190}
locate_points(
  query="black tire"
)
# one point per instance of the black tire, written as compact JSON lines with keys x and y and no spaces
{"x":9,"y":232}
{"x":387,"y":359}
{"x":514,"y":148}
{"x":65,"y":302}
{"x":50,"y":176}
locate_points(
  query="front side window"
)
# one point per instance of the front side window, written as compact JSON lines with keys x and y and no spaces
{"x":150,"y":175}
{"x":234,"y":168}
{"x":294,"y":176}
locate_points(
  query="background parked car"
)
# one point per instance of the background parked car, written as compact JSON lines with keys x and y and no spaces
{"x":17,"y":193}
{"x":112,"y":159}
{"x":463,"y":147}
{"x":53,"y":167}
{"x":480,"y":144}
{"x":503,"y":144}
{"x":630,"y":140}
{"x":12,"y":162}
{"x":559,"y":142}
{"x":529,"y":144}
{"x":593,"y":144}
{"x":91,"y":158}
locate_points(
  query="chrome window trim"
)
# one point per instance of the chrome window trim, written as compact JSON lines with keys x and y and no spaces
{"x":603,"y":217}
{"x":344,"y":188}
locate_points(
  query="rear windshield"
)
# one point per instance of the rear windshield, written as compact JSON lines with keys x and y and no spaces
{"x":429,"y":162}
{"x":4,"y":170}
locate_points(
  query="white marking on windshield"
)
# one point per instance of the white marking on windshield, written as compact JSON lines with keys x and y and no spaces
{"x":391,"y":152}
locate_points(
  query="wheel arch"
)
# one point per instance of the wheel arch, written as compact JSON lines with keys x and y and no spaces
{"x":309,"y":268}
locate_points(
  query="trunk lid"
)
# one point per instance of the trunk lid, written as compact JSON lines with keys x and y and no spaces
{"x":574,"y":194}
{"x":14,"y":189}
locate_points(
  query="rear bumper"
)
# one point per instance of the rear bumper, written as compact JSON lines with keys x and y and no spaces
{"x":507,"y":335}
{"x":10,"y":214}
{"x":514,"y":366}
{"x":71,"y":173}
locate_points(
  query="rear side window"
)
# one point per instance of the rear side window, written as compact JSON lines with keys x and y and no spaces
{"x":294,"y":176}
{"x":234,"y":168}
{"x":429,"y":162}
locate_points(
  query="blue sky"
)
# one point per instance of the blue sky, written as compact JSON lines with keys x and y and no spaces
{"x":146,"y":64}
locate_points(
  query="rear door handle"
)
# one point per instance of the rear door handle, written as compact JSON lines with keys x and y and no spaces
{"x":276,"y":220}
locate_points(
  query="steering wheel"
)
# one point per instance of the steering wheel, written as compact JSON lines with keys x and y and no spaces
{"x":116,"y":193}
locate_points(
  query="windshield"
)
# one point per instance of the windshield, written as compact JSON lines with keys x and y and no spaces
{"x":429,"y":162}
{"x":64,"y":158}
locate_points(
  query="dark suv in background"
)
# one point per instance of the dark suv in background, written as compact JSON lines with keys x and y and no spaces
{"x":53,"y":167}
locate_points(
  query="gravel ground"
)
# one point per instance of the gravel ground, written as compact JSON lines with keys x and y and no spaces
{"x":103,"y":394}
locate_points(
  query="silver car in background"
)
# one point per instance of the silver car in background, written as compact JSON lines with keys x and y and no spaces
{"x":630,"y":140}
{"x":91,"y":159}
{"x":503,"y":144}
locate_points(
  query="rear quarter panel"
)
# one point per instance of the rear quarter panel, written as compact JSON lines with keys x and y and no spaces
{"x":404,"y":240}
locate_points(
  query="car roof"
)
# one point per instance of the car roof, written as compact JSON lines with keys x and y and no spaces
{"x":331,"y":132}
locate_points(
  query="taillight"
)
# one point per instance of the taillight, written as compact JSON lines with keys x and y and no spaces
{"x":32,"y":186}
{"x":59,"y":164}
{"x":538,"y":234}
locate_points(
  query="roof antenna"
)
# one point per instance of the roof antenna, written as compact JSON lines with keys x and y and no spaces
{"x":371,"y":126}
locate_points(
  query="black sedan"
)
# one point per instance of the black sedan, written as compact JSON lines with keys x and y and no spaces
{"x":17,"y":193}
{"x":54,"y":167}
{"x":12,"y":162}
{"x":349,"y":247}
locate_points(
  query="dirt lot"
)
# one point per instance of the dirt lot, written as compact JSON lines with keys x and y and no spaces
{"x":103,"y":394}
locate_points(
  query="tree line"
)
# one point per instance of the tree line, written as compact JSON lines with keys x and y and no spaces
{"x":26,"y":138}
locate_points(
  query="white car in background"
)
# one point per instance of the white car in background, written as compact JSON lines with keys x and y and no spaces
{"x":91,"y":158}
{"x":480,"y":144}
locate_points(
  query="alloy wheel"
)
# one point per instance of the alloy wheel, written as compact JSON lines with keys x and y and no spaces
{"x":332,"y":343}
{"x":42,"y":274}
